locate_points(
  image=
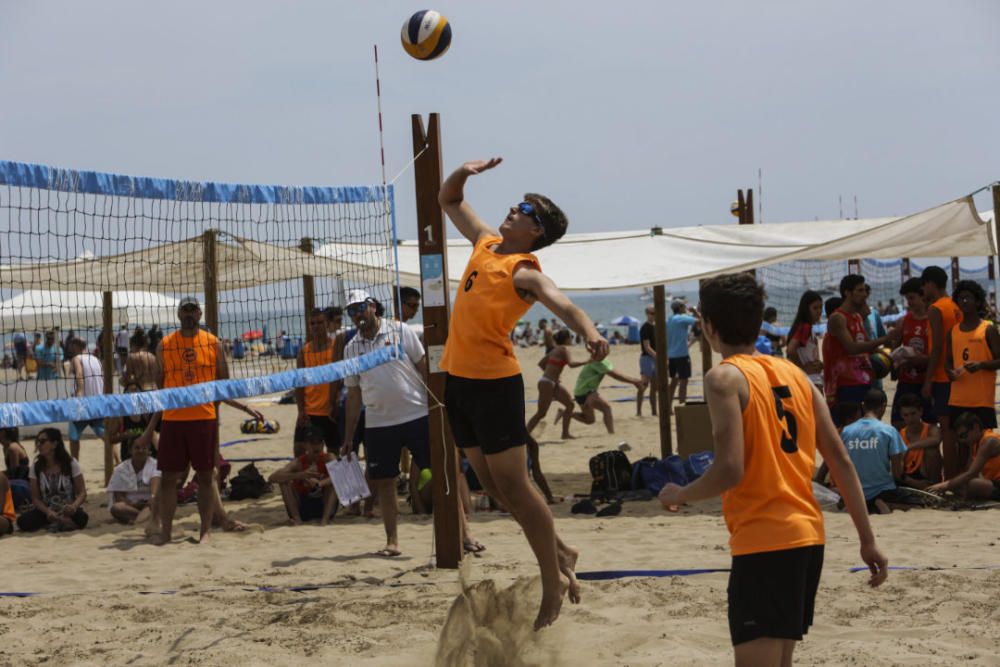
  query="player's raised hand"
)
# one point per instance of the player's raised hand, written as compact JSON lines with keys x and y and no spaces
{"x":479,"y":166}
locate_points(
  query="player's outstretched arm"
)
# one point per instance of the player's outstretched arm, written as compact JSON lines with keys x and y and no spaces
{"x":541,"y":287}
{"x":831,"y":448}
{"x":452,"y":199}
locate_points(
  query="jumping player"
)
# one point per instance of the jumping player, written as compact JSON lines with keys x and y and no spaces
{"x":768,"y":421}
{"x":485,"y":392}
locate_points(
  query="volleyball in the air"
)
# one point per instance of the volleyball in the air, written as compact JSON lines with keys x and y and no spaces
{"x":426,"y":35}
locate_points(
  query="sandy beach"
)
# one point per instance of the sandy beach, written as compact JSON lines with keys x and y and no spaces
{"x":282,"y":595}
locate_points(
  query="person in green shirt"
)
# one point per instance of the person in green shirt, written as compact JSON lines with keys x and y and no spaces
{"x":589,"y":399}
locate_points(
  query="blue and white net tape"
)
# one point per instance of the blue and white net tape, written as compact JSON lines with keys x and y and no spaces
{"x":118,"y":405}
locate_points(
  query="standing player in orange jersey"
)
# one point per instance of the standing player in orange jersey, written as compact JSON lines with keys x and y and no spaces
{"x":768,"y":421}
{"x":485,"y":391}
{"x":942,"y":315}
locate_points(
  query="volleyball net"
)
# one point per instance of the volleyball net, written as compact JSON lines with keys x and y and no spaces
{"x":107,"y":259}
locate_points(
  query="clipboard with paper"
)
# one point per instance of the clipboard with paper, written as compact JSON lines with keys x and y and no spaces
{"x":348,"y":480}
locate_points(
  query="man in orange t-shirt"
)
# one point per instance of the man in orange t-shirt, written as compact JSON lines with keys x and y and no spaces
{"x":768,"y":421}
{"x":317,"y":404}
{"x":189,"y":437}
{"x":982,"y":479}
{"x":942,"y":316}
{"x":484,"y":393}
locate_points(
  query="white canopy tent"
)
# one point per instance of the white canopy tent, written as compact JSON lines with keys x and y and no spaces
{"x":617,"y":260}
{"x":34,"y":310}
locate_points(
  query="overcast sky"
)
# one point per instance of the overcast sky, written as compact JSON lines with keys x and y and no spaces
{"x":627,"y":116}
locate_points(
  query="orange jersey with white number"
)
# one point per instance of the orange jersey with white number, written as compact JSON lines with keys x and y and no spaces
{"x":773,"y":506}
{"x":187,"y":361}
{"x":487,"y":308}
{"x":972,"y":390}
{"x":950,"y":316}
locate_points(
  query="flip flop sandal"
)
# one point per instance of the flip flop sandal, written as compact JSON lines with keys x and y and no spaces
{"x":614,"y":509}
{"x":473,"y":547}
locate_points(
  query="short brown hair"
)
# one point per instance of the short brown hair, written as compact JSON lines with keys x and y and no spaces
{"x":554,"y":222}
{"x":734,"y":304}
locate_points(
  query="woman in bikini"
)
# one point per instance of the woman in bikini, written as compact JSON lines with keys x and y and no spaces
{"x":549,"y":387}
{"x":140,"y":367}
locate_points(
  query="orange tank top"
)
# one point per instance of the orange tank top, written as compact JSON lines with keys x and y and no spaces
{"x":991,"y":470}
{"x":972,"y":390}
{"x":950,"y":316}
{"x":487,"y":308}
{"x":8,"y":507}
{"x":317,"y":396}
{"x":914,"y":457}
{"x":773,"y":506}
{"x":187,"y":361}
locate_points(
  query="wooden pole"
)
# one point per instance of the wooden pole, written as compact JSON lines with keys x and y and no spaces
{"x":108,"y":367}
{"x":662,"y":379}
{"x":905,"y":270}
{"x":308,"y":284}
{"x":996,"y":238}
{"x":211,"y":282}
{"x":427,"y":175}
{"x":956,"y":272}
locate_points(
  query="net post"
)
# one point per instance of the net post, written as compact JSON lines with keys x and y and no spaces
{"x":427,"y":173}
{"x":996,"y":240}
{"x":308,"y":284}
{"x":210,"y":238}
{"x":662,"y":379}
{"x":108,"y":369}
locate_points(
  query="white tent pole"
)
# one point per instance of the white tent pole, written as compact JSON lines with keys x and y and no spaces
{"x":108,"y":366}
{"x":996,"y":236}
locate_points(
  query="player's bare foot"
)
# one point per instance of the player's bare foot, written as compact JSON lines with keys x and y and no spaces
{"x":567,"y":565}
{"x":159,"y":539}
{"x":548,"y":612}
{"x":205,"y":536}
{"x":567,"y":436}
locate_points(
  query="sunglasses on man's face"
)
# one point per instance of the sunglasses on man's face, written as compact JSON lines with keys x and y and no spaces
{"x":525,"y":208}
{"x":356,"y":309}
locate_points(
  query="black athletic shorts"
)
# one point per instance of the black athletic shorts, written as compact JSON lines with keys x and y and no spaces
{"x":326,"y":426}
{"x":940,"y":393}
{"x":679,"y":367}
{"x":488,"y":414}
{"x":987,"y":416}
{"x":581,"y":400}
{"x":384,"y":444}
{"x":996,"y":490}
{"x":773,"y":593}
{"x":890,"y":496}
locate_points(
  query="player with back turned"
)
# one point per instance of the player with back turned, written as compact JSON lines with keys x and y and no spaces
{"x":485,"y":391}
{"x":768,"y":421}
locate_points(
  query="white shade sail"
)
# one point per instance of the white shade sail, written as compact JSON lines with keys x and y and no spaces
{"x":41,"y":309}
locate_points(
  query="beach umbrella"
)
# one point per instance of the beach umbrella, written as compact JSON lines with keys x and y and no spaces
{"x":253,"y":334}
{"x":625,"y":321}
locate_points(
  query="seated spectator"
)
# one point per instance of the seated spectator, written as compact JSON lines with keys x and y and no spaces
{"x":587,"y":397}
{"x":305,"y":483}
{"x":124,"y":431}
{"x":982,"y":479}
{"x":14,"y":456}
{"x":877,"y":452}
{"x":922,"y":465}
{"x":57,"y":487}
{"x":134,"y":486}
{"x":7,"y":513}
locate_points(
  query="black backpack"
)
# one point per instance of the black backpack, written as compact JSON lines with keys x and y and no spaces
{"x":612,"y":474}
{"x":248,"y":483}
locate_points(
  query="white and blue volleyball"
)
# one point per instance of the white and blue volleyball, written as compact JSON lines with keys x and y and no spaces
{"x":426,"y":35}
